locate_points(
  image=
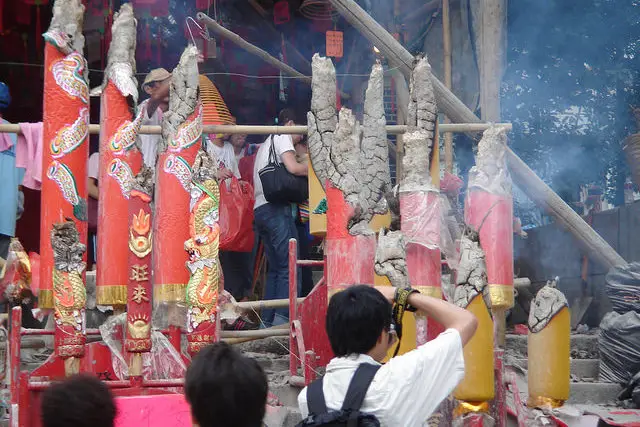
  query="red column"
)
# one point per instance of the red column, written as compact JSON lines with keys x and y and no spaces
{"x":138,"y":330}
{"x":120,"y":161}
{"x":65,"y":151}
{"x":171,"y":228}
{"x":420,"y":223}
{"x":350,"y":259}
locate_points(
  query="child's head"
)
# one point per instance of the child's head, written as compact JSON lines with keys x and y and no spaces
{"x":225,"y":388}
{"x":78,"y":401}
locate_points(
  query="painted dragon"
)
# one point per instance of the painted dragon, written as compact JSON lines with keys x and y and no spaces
{"x":202,"y":247}
{"x":69,"y":294}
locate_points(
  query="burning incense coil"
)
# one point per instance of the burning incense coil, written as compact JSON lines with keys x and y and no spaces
{"x":318,"y":10}
{"x":214,"y":109}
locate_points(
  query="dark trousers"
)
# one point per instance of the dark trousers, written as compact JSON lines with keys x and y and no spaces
{"x":237,"y":269}
{"x":275,"y":225}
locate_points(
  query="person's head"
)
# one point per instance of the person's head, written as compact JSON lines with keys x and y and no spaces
{"x":153,"y":82}
{"x":359,"y":322}
{"x":5,"y":97}
{"x":79,"y":401}
{"x":238,"y":141}
{"x":225,"y":388}
{"x":287,"y":117}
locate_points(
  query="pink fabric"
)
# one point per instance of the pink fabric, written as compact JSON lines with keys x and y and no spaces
{"x":29,"y":154}
{"x":5,"y":141}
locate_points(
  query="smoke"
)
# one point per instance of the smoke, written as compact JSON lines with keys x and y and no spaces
{"x":572,"y":70}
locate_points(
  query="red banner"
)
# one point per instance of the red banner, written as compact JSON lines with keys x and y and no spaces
{"x":138,"y":335}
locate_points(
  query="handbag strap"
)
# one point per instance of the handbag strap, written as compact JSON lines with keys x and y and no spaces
{"x":273,"y":159}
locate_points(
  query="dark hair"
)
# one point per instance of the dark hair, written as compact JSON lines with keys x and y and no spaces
{"x":286,"y":115}
{"x":225,"y":388}
{"x":78,"y":401}
{"x":355,"y":319}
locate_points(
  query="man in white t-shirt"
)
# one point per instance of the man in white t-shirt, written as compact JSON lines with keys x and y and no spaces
{"x":406,"y":390}
{"x":274,"y":223}
{"x":156,"y":85}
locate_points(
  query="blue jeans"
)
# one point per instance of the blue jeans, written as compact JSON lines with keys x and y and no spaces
{"x":275,"y":225}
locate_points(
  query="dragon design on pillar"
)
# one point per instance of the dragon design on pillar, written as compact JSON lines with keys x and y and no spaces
{"x":69,"y":294}
{"x":202,"y":247}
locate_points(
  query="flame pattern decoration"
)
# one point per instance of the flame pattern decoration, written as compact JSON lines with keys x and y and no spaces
{"x":71,"y":136}
{"x":125,"y":137}
{"x":188,"y":134}
{"x":69,"y":75}
{"x":180,"y":168}
{"x":122,"y":173}
{"x":60,"y":174}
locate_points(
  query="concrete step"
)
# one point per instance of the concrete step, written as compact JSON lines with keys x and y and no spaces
{"x":580,"y":368}
{"x":593,"y":392}
{"x":583,"y":346}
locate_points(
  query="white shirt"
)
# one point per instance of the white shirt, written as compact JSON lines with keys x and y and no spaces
{"x":282,"y":144}
{"x":225,"y":156}
{"x":407,"y":389}
{"x":93,"y":166}
{"x":149,"y":143}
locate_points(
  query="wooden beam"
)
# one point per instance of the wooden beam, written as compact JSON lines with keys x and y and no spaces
{"x":491,"y":42}
{"x":591,"y":242}
{"x":446,"y":38}
{"x":255,"y":50}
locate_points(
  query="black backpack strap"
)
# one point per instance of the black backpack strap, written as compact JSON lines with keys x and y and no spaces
{"x":315,"y":398}
{"x":358,"y":386}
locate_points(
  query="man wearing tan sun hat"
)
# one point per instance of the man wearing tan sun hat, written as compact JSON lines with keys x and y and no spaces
{"x":156,"y":85}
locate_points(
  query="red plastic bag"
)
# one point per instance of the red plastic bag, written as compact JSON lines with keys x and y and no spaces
{"x":236,"y":216}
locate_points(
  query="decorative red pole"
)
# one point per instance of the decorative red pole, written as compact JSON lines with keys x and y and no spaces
{"x":65,"y":130}
{"x":69,"y":294}
{"x":173,"y":181}
{"x":420,"y":199}
{"x":120,"y":161}
{"x":138,"y":331}
{"x":352,"y":162}
{"x":202,"y":247}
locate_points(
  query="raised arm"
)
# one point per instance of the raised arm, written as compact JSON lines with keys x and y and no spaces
{"x":289,"y":160}
{"x":448,"y":315}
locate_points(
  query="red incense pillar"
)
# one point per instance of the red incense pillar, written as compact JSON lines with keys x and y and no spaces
{"x":420,"y":223}
{"x":120,"y":161}
{"x":349,"y":259}
{"x":65,"y":151}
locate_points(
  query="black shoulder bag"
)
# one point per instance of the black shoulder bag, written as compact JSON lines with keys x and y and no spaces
{"x":279,"y":185}
{"x":349,"y":415}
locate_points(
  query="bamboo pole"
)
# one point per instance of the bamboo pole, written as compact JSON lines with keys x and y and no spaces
{"x":590,"y":241}
{"x":271,"y":303}
{"x":276,"y":130}
{"x":446,"y":37}
{"x":255,"y":50}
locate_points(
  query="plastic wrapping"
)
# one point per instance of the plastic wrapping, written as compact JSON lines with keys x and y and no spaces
{"x":236,"y":216}
{"x":449,"y":233}
{"x":163,"y":362}
{"x":491,"y":215}
{"x":16,"y":283}
{"x":619,"y":344}
{"x":421,"y":217}
{"x":623,"y":287}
